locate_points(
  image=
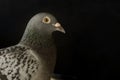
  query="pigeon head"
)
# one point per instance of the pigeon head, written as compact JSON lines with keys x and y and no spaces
{"x":46,"y":23}
{"x":40,"y":28}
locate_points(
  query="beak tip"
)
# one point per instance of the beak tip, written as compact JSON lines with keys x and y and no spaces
{"x":63,"y":31}
{"x":59,"y":28}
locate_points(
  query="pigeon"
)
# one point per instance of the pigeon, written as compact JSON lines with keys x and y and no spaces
{"x":34,"y":57}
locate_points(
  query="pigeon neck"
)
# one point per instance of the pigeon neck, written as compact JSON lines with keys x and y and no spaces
{"x":36,"y":39}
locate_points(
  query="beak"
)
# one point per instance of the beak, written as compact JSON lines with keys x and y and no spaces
{"x":58,"y":27}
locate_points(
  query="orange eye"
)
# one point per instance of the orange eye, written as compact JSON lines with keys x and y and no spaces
{"x":46,"y":20}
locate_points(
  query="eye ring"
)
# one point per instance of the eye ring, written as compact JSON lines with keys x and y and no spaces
{"x":46,"y":20}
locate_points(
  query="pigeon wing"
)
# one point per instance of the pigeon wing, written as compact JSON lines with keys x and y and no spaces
{"x":16,"y":63}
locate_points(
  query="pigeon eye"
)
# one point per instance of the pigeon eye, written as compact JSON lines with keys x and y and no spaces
{"x":46,"y":20}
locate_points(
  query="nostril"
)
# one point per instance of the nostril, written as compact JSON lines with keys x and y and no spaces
{"x":57,"y":25}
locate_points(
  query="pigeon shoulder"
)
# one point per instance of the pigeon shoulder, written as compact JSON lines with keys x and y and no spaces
{"x":21,"y":59}
{"x":12,"y":49}
{"x":18,"y":50}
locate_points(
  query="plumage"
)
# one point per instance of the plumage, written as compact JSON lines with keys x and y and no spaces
{"x":34,"y":57}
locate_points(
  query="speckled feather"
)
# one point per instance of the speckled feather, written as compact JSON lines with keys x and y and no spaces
{"x":16,"y":63}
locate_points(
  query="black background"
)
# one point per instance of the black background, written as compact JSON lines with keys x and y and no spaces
{"x":90,"y":47}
